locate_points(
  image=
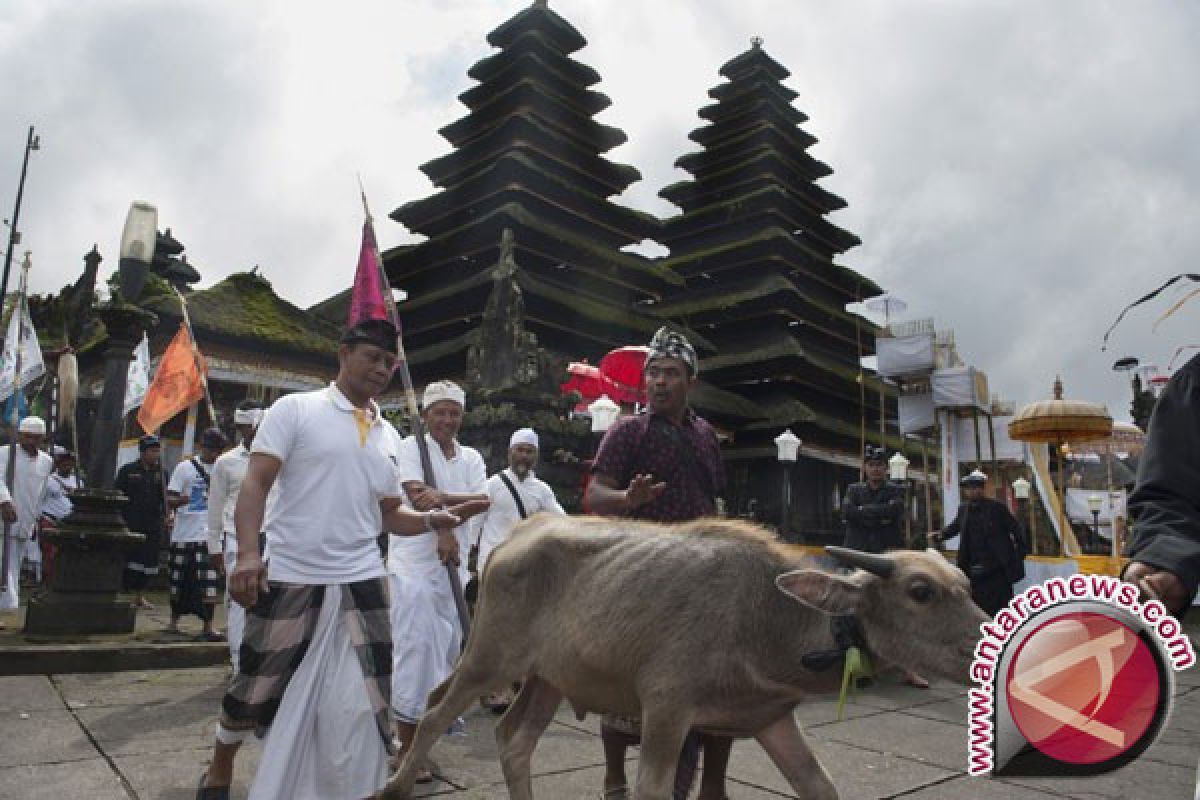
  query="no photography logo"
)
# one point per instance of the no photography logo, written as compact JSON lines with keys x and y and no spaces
{"x":1075,"y":677}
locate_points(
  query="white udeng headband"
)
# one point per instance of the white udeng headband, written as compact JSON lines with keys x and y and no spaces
{"x":250,"y":417}
{"x":443,"y":390}
{"x":523,"y":436}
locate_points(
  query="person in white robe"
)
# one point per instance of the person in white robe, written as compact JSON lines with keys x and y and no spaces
{"x":315,"y":672}
{"x":227,"y":476}
{"x":426,"y":632}
{"x":21,"y":505}
{"x":517,"y":480}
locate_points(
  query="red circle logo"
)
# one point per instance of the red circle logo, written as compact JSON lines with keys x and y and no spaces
{"x":1083,"y":688}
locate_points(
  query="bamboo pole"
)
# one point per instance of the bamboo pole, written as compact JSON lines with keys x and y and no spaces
{"x":10,"y":473}
{"x":978,"y":446}
{"x":187,"y":320}
{"x":997,"y":488}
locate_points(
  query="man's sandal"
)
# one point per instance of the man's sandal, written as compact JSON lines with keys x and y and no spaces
{"x":210,"y":792}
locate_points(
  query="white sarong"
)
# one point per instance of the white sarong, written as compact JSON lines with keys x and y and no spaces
{"x":426,"y":636}
{"x":324,"y":743}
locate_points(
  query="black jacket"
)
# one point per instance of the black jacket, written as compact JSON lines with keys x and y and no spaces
{"x":992,"y":541}
{"x":873,"y":516}
{"x":1165,"y":504}
{"x":146,"y":509}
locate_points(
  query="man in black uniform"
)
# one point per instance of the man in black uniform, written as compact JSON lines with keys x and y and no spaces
{"x":992,"y":549}
{"x":872,"y":510}
{"x":1165,"y":546}
{"x":142,"y":481}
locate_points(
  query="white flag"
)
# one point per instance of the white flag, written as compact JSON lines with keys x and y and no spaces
{"x":139,"y":375}
{"x":32,"y":366}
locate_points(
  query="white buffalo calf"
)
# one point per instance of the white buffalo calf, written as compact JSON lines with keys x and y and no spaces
{"x":708,"y":624}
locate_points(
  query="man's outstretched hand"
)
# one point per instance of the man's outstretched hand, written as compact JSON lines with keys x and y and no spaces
{"x":642,"y":489}
{"x":1158,"y":584}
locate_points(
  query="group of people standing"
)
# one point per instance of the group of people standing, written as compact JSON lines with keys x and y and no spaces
{"x":37,"y":500}
{"x":341,"y":648}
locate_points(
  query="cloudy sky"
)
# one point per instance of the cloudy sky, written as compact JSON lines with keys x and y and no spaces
{"x":1016,"y":170}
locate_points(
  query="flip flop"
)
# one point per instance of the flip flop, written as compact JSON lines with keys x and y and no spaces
{"x":916,"y":681}
{"x":210,"y":792}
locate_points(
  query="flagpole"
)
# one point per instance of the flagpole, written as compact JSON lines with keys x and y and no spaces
{"x":187,"y":320}
{"x":10,"y":473}
{"x":410,"y":396}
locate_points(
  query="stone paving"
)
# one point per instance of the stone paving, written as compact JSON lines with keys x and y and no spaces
{"x":146,"y":736}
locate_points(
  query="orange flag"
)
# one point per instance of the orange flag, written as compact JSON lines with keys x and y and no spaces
{"x":177,"y":384}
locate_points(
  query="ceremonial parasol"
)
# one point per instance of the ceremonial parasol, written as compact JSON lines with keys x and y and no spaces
{"x":1061,"y":422}
{"x":624,"y":367}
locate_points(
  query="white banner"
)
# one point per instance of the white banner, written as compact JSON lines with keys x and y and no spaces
{"x":32,"y":366}
{"x":138,"y":379}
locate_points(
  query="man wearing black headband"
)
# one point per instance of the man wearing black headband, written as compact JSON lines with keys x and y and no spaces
{"x":316,"y":656}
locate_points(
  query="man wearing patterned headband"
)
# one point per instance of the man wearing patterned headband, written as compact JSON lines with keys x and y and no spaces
{"x":425,"y":625}
{"x":227,"y":476}
{"x":663,"y":465}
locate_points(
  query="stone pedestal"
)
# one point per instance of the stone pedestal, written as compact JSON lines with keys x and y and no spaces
{"x":93,"y":543}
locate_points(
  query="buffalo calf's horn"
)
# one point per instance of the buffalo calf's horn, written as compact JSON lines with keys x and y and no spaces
{"x":875,"y":564}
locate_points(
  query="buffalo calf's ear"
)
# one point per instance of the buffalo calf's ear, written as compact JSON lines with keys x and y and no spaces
{"x":832,"y":594}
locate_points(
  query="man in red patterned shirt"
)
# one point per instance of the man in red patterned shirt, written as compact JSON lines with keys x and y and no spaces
{"x":663,"y":465}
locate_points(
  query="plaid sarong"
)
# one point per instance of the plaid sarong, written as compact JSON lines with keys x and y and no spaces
{"x":195,"y":585}
{"x":279,"y":630}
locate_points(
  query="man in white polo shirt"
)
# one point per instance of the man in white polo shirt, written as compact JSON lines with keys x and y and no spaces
{"x":425,"y":625}
{"x":516,"y":493}
{"x":315,"y":671}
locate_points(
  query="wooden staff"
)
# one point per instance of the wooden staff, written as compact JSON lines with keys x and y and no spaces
{"x":410,"y":397}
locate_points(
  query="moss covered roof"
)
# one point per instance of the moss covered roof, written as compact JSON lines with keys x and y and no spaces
{"x":244,"y":308}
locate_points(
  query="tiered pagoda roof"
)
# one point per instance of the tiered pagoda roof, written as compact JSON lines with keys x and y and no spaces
{"x":528,"y":157}
{"x":756,"y":249}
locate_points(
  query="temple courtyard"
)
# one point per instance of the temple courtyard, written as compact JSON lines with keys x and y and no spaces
{"x":145,"y":735}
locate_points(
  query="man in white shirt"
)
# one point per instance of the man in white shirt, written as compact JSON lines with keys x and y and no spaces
{"x":227,"y":476}
{"x":516,"y":493}
{"x":21,"y":505}
{"x":56,"y":503}
{"x":315,"y":672}
{"x":425,"y":625}
{"x":536,"y":495}
{"x":193,"y":580}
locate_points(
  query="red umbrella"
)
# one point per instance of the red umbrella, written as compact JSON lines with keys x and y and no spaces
{"x":624,"y":367}
{"x":585,"y":379}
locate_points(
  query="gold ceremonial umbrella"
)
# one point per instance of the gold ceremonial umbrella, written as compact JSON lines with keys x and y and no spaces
{"x":1061,"y":422}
